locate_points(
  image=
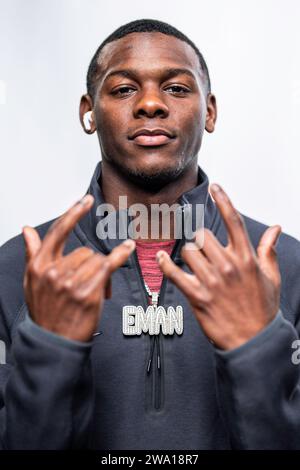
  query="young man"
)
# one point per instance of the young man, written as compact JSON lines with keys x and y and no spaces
{"x":84,"y":369}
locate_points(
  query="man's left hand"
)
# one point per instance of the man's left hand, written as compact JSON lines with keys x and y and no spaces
{"x":234,"y":291}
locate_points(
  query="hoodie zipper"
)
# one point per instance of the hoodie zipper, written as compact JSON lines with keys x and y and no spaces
{"x":155,"y":339}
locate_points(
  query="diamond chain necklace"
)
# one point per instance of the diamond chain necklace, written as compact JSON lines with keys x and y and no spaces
{"x":154,"y":297}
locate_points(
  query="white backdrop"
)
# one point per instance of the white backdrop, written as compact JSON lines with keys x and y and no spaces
{"x":252,"y":51}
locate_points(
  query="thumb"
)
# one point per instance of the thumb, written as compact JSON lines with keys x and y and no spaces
{"x":32,"y":242}
{"x":266,"y":250}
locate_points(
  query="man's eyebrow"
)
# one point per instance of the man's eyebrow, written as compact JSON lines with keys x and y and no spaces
{"x":173,"y":72}
{"x":124,"y":73}
{"x":166,"y":73}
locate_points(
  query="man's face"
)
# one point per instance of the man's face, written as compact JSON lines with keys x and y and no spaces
{"x":150,"y":106}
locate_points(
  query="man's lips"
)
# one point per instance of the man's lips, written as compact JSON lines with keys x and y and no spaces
{"x":151,"y":137}
{"x":149,"y":140}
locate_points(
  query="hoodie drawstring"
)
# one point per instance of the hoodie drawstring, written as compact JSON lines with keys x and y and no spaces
{"x":153,"y":340}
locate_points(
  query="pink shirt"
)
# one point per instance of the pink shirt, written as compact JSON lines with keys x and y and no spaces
{"x":146,"y":253}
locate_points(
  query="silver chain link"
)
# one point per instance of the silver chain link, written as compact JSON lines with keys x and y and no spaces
{"x":149,"y":291}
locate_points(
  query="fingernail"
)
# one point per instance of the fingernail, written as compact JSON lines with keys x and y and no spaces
{"x":129,"y":244}
{"x":190,"y":246}
{"x":159,"y":255}
{"x":86,"y":199}
{"x":215,"y":187}
{"x":25,"y":229}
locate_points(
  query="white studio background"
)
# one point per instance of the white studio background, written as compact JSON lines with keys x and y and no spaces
{"x":252,"y":51}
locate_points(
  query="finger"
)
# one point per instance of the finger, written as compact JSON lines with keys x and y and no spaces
{"x":94,"y":274}
{"x":65,"y":266}
{"x":117,"y":258}
{"x":32,"y":242}
{"x":266,"y":250}
{"x":212,"y":248}
{"x":187,"y":283}
{"x":268,"y":241}
{"x":96,"y":285}
{"x":87,"y":269}
{"x":55,"y":238}
{"x":120,"y":254}
{"x":197,"y":262}
{"x":237,"y":232}
{"x":93,"y":264}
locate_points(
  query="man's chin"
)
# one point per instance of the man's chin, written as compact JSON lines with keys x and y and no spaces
{"x":152,"y":179}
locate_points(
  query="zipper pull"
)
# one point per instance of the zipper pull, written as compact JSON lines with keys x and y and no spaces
{"x":151,"y":354}
{"x":158,"y":354}
{"x":154,"y":297}
{"x":149,"y":365}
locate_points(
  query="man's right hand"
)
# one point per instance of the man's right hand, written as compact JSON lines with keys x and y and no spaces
{"x":65,"y":293}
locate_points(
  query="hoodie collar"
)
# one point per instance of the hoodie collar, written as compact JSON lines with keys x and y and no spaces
{"x":86,"y":228}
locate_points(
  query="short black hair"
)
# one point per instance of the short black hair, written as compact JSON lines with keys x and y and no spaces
{"x":142,"y":26}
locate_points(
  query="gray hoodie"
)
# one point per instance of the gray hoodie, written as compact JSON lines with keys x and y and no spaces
{"x":61,"y":394}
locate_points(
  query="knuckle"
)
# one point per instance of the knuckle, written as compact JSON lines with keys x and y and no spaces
{"x":207,"y":298}
{"x":59,"y":288}
{"x":79,"y":296}
{"x":228,"y":269}
{"x":249,"y":263}
{"x":202,"y":297}
{"x":105,"y":264}
{"x":51,"y":274}
{"x":66,"y":285}
{"x":85,"y":299}
{"x":198,"y":296}
{"x":212,"y":282}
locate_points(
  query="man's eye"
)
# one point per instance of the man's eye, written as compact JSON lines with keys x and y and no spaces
{"x":123,"y":91}
{"x":177,"y":89}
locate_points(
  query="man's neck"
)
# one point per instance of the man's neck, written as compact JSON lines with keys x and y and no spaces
{"x":114,"y":184}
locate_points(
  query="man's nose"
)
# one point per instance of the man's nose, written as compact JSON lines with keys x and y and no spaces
{"x":151,"y":104}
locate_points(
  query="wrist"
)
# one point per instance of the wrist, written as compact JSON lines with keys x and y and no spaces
{"x":240,"y":339}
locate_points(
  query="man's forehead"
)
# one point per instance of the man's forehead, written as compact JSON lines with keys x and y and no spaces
{"x":140,"y":50}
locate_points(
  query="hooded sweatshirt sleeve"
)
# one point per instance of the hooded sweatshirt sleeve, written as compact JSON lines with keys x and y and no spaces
{"x":48,"y":393}
{"x":259,"y":382}
{"x":45,"y":391}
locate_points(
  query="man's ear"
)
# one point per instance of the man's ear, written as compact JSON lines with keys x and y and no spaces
{"x":211,"y":113}
{"x":86,"y":114}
